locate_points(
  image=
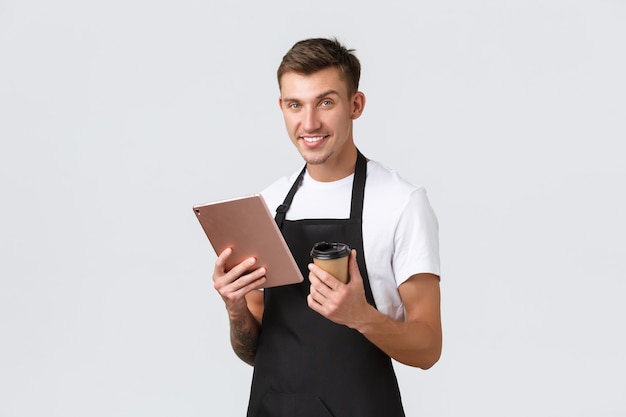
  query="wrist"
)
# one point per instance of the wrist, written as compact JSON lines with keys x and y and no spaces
{"x":237,"y":312}
{"x":368,"y":320}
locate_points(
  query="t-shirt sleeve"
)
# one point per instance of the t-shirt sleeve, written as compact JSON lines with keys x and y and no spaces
{"x":416,"y":239}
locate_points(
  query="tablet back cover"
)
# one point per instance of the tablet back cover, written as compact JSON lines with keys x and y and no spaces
{"x":246,"y":225}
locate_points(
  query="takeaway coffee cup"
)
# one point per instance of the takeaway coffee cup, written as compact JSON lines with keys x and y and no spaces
{"x":332,"y":258}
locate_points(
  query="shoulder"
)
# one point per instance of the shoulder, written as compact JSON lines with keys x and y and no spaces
{"x":398,"y":209}
{"x":275,"y":193}
{"x":390,"y":189}
{"x":381,"y":176}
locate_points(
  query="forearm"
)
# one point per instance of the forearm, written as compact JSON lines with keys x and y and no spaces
{"x":244,"y":335}
{"x":412,"y":343}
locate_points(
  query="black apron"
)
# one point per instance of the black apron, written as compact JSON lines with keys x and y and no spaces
{"x":306,"y":365}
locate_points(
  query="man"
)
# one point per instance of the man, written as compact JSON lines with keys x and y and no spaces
{"x":322,"y":347}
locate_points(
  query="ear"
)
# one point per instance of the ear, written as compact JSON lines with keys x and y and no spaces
{"x":358,"y":104}
{"x":280,"y":102}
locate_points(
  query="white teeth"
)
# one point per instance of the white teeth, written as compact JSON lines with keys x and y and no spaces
{"x":314,"y":139}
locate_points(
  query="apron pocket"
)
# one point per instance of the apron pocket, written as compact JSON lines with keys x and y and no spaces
{"x":278,"y":404}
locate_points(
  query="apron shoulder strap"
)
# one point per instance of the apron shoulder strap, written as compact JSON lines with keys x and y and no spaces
{"x":281,"y":210}
{"x":358,"y":187}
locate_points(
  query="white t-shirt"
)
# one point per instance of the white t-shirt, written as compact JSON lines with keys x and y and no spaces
{"x":400,"y":228}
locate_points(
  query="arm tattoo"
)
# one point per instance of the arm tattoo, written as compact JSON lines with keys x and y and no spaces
{"x":244,"y":341}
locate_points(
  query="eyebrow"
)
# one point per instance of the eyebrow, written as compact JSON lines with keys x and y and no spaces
{"x":328,"y":93}
{"x":319,"y":96}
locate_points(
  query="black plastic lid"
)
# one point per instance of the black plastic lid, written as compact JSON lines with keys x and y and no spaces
{"x":325,"y":250}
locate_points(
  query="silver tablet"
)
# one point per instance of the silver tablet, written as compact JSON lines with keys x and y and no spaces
{"x":246,"y":225}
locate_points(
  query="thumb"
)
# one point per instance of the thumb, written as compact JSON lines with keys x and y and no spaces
{"x":353,"y":266}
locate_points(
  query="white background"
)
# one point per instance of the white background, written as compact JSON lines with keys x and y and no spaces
{"x":117,"y":116}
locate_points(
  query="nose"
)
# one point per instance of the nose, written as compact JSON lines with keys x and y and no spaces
{"x":310,"y":120}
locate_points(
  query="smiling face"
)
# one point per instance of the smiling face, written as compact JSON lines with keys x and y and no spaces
{"x":318,"y":113}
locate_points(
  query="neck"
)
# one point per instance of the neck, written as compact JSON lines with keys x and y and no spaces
{"x":334,"y":168}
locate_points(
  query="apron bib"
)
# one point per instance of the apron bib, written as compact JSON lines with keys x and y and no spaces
{"x":306,"y":365}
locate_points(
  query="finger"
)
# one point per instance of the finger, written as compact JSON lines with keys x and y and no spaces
{"x":319,"y":289}
{"x":220,"y":263}
{"x":234,"y":288}
{"x":323,"y":277}
{"x":250,"y":281}
{"x":313,"y":304}
{"x":314,"y":300}
{"x":243,"y":267}
{"x":241,"y":274}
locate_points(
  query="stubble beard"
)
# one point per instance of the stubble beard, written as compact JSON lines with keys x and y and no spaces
{"x":316,"y":159}
{"x":314,"y":156}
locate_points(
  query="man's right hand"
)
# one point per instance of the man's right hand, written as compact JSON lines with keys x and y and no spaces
{"x":233,"y":285}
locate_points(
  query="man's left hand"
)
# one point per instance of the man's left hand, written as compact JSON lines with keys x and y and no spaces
{"x":341,"y":303}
